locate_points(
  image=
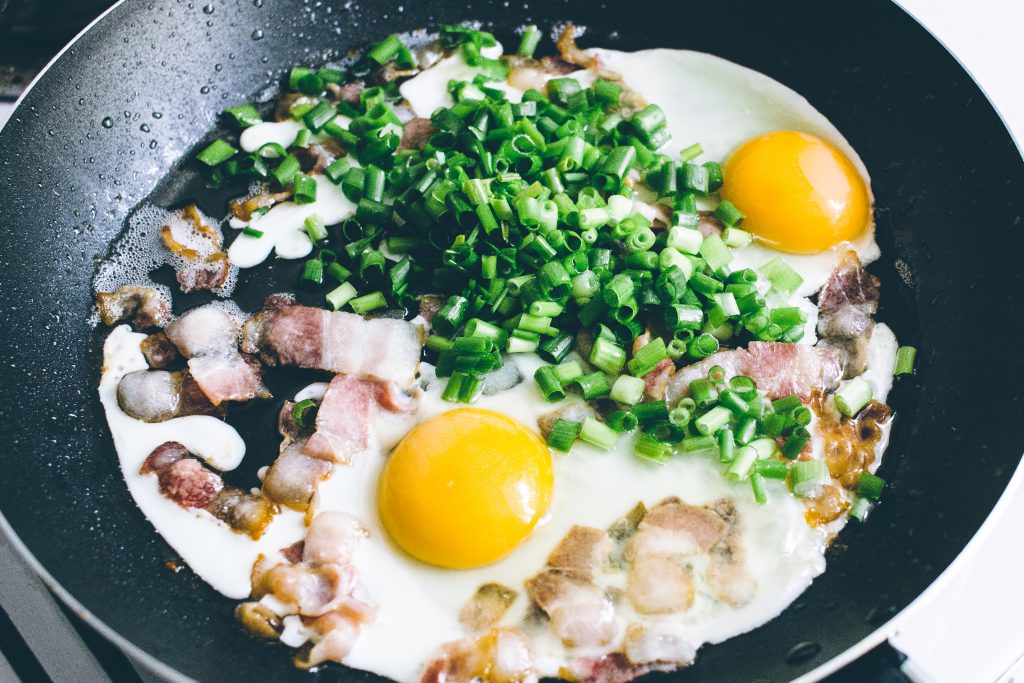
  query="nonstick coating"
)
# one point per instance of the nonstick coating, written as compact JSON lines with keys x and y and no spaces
{"x":123,"y":107}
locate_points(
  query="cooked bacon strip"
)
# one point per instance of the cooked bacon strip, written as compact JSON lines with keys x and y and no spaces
{"x":571,"y":53}
{"x":727,"y":575}
{"x":159,"y":351}
{"x":611,"y":668}
{"x":204,"y":330}
{"x":259,"y":620}
{"x":487,"y":606}
{"x":846,"y":306}
{"x":577,"y":412}
{"x":580,"y":612}
{"x":294,"y":476}
{"x":313,"y":590}
{"x":333,"y":537}
{"x":189,"y":483}
{"x":346,"y":93}
{"x":208,"y":337}
{"x":778,"y":368}
{"x":504,"y":655}
{"x":337,"y":635}
{"x":416,"y":133}
{"x":674,"y":528}
{"x":204,"y":264}
{"x":159,"y":395}
{"x":708,"y":224}
{"x":582,"y":552}
{"x":659,"y":585}
{"x":380,"y":348}
{"x":146,"y":306}
{"x":343,"y":420}
{"x":243,"y":209}
{"x":657,"y":642}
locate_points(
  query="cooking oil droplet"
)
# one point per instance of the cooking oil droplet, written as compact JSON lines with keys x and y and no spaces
{"x":158,"y":115}
{"x":152,"y":144}
{"x":144,"y":128}
{"x":218,"y":67}
{"x":107,"y":122}
{"x":258,"y":3}
{"x":257,"y":34}
{"x":208,"y":9}
{"x":205,"y":90}
{"x":803,"y":652}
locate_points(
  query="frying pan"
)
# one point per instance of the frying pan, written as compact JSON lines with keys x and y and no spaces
{"x":123,"y":107}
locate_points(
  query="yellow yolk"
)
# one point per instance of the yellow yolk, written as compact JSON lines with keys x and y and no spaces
{"x":464,"y":488}
{"x":799,"y":193}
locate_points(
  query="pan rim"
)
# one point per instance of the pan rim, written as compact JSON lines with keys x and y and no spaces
{"x":1015,"y":486}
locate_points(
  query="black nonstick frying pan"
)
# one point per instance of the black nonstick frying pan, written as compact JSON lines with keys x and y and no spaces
{"x":126,"y":103}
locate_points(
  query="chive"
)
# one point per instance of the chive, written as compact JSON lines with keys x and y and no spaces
{"x":607,"y":356}
{"x":860,"y":509}
{"x":550,"y":387}
{"x":702,"y":346}
{"x":714,"y":251}
{"x":784,"y":279}
{"x":735,"y":238}
{"x":771,"y":469}
{"x":628,"y":390}
{"x":304,"y":411}
{"x":386,"y":50}
{"x":315,"y":228}
{"x":568,"y":372}
{"x":795,"y":443}
{"x":733,"y":402}
{"x":319,"y":116}
{"x":870,"y":486}
{"x":726,"y":444}
{"x":727,"y":212}
{"x":438,"y":343}
{"x":313,"y":271}
{"x":621,"y":421}
{"x":337,"y":271}
{"x":651,"y":449}
{"x":216,"y":153}
{"x":555,"y":349}
{"x":368,"y":302}
{"x":597,"y":434}
{"x":650,"y":412}
{"x":690,"y":153}
{"x":746,"y":430}
{"x":742,"y":463}
{"x":450,"y":316}
{"x":341,"y":295}
{"x":243,"y":116}
{"x":806,"y":477}
{"x":562,"y":435}
{"x":699,"y":445}
{"x":713,"y":420}
{"x":287,"y":170}
{"x":453,"y":389}
{"x":757,"y":485}
{"x":480,"y":328}
{"x":528,"y":43}
{"x":521,"y":341}
{"x":644,"y":361}
{"x":905,"y":356}
{"x":852,"y":396}
{"x":703,"y":393}
{"x":471,"y":389}
{"x":594,"y":385}
{"x":252,"y":232}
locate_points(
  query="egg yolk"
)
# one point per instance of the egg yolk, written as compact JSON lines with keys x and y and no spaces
{"x":464,"y":488}
{"x":799,"y":193}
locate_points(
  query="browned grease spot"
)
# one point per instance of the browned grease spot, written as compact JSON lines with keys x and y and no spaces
{"x":173,"y":566}
{"x":850,"y":443}
{"x":826,"y":506}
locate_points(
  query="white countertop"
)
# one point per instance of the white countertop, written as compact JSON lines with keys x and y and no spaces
{"x":967,"y":627}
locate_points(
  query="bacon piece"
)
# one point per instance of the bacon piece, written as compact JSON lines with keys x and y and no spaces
{"x":189,"y":484}
{"x":380,"y":348}
{"x":228,"y":378}
{"x":163,"y":456}
{"x":659,"y":585}
{"x":487,"y":606}
{"x":243,"y":209}
{"x":580,"y":612}
{"x":504,"y":655}
{"x":582,"y":552}
{"x":674,"y":528}
{"x":846,"y":306}
{"x":778,"y":368}
{"x":611,"y":668}
{"x":658,"y":214}
{"x":159,"y":395}
{"x":337,"y":636}
{"x":247,"y":513}
{"x":313,"y":590}
{"x":318,"y":156}
{"x":656,"y":381}
{"x":416,"y":133}
{"x":204,"y":330}
{"x":203,"y":265}
{"x":577,"y":412}
{"x":708,"y":224}
{"x":146,"y":306}
{"x":158,"y":350}
{"x":430,"y":304}
{"x":657,"y":642}
{"x":348,"y":92}
{"x":571,"y":53}
{"x":293,"y":477}
{"x":333,"y":537}
{"x":259,"y":620}
{"x":726,"y":574}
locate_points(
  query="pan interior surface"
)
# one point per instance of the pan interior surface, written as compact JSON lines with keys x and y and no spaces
{"x":123,"y":108}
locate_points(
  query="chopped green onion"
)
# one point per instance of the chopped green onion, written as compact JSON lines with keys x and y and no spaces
{"x":528,"y":43}
{"x":860,"y":509}
{"x":216,"y":153}
{"x":628,"y":390}
{"x":341,"y":295}
{"x":771,"y":469}
{"x":368,"y":302}
{"x":784,"y":279}
{"x":742,"y":463}
{"x":852,"y":396}
{"x":905,"y":356}
{"x":244,"y":115}
{"x":568,"y":372}
{"x":562,"y":434}
{"x":650,"y":412}
{"x":607,"y":356}
{"x":651,"y":449}
{"x":315,"y":228}
{"x":713,"y":420}
{"x":594,"y":385}
{"x":303,"y":410}
{"x":870,"y":486}
{"x":252,"y":232}
{"x":549,"y":384}
{"x":621,"y":421}
{"x":806,"y":477}
{"x":757,"y":485}
{"x":597,"y":434}
{"x":313,"y":271}
{"x":728,"y":214}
